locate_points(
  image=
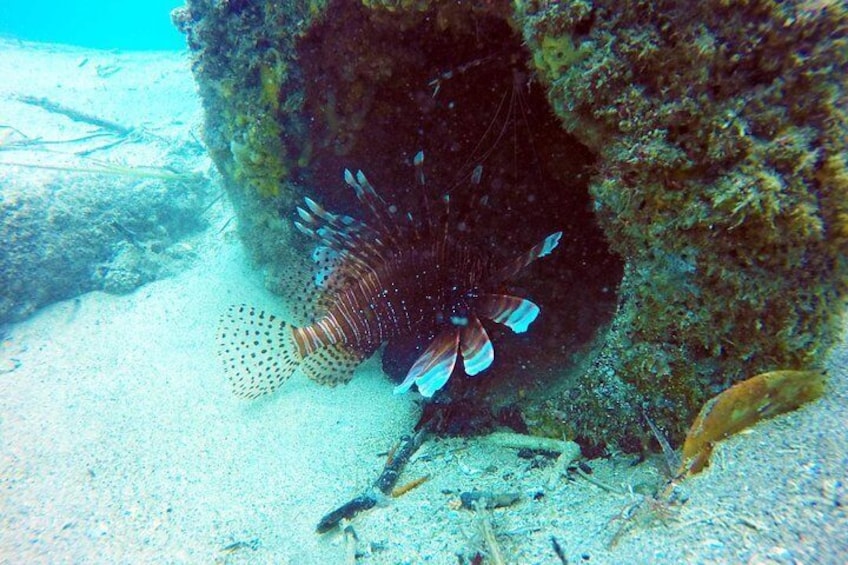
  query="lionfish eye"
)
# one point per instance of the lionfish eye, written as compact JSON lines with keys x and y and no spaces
{"x":460,"y":321}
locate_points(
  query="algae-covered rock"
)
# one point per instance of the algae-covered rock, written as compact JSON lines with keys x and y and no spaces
{"x":64,"y":234}
{"x":252,"y":93}
{"x":720,"y":129}
{"x":706,"y":139}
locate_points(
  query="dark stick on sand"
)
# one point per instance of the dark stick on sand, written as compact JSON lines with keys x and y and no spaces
{"x":75,"y":115}
{"x":384,"y":483}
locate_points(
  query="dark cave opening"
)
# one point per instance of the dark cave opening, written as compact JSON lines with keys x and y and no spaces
{"x":381,"y":87}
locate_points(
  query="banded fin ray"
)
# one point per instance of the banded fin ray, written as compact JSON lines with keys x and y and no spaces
{"x":477,"y":202}
{"x":349,"y":237}
{"x":541,"y":249}
{"x":433,"y":368}
{"x":515,"y":313}
{"x":387,"y":223}
{"x":476,"y":347}
{"x":328,"y":238}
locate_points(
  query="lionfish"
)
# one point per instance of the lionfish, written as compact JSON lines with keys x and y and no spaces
{"x":389,"y":277}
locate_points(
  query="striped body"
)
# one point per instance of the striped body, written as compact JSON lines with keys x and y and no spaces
{"x":378,"y":280}
{"x":420,"y":288}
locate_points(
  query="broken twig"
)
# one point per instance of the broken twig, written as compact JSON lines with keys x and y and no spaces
{"x":106,"y":169}
{"x":75,"y":115}
{"x":487,"y":530}
{"x":382,"y":486}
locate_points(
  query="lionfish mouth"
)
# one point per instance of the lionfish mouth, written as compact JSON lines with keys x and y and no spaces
{"x":375,"y":280}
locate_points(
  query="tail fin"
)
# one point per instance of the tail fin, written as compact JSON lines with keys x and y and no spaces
{"x":258,"y":350}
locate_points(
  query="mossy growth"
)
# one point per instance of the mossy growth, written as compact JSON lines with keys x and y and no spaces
{"x":721,"y":181}
{"x":556,"y":53}
{"x":242,"y":60}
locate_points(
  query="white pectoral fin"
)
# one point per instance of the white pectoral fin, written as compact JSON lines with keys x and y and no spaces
{"x":433,"y":368}
{"x":476,"y":348}
{"x":515,"y":313}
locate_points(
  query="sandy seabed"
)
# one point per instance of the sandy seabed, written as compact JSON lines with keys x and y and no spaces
{"x":121,"y":443}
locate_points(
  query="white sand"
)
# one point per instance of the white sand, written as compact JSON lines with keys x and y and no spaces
{"x":120,"y":442}
{"x":120,"y":437}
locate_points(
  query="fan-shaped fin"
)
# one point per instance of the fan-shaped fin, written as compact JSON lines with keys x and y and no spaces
{"x":328,"y":263}
{"x":477,"y":350}
{"x":432,"y":370}
{"x":258,"y":350}
{"x":515,"y":313}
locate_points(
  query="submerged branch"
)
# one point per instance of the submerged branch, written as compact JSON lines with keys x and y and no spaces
{"x":155,"y":173}
{"x":75,"y":115}
{"x":384,"y":483}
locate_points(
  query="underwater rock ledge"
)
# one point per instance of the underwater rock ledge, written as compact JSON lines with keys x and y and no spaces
{"x":707,"y":140}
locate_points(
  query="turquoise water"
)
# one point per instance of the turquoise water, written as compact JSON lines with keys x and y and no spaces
{"x":102,"y":24}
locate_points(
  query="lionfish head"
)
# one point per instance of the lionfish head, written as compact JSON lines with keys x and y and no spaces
{"x":466,"y":336}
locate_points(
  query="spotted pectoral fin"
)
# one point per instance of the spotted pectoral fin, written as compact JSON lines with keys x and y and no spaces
{"x":331,"y":365}
{"x":476,"y":347}
{"x":432,"y":370}
{"x":258,"y":350}
{"x":515,"y":313}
